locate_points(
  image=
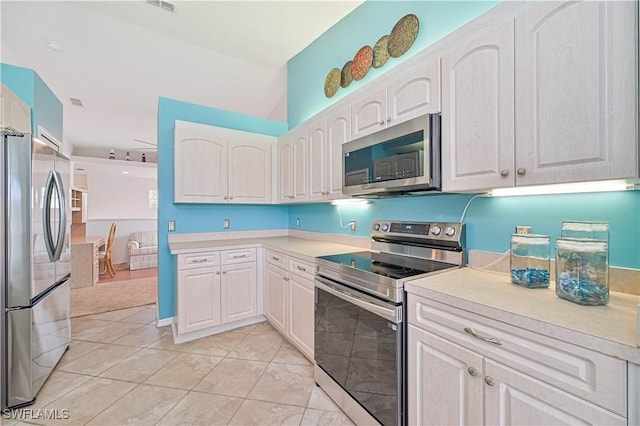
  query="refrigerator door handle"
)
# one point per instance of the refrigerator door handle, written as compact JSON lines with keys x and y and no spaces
{"x":62,"y":208}
{"x":46,"y":216}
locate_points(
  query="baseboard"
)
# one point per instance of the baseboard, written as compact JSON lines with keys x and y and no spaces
{"x":164,"y":321}
{"x":186,"y":337}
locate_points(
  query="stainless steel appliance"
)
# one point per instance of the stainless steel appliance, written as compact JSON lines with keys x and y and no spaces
{"x":404,"y":158}
{"x":360,"y":314}
{"x":35,"y":261}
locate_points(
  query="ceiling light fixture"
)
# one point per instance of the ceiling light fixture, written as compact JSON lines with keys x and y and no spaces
{"x":163,"y":4}
{"x":76,"y":102}
{"x":53,"y":45}
{"x":564,"y":188}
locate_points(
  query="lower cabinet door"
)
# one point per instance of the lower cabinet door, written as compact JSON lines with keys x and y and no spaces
{"x":444,"y":382}
{"x":301,"y":314}
{"x":198,"y":299}
{"x":515,"y":398}
{"x":276,"y":298}
{"x":238,"y":292}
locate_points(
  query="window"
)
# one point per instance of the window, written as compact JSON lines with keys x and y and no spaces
{"x":153,"y":199}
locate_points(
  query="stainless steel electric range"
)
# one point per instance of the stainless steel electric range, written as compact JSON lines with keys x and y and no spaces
{"x":360,"y":314}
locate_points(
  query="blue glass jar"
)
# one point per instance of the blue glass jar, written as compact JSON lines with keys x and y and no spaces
{"x":582,"y":270}
{"x":530,"y":260}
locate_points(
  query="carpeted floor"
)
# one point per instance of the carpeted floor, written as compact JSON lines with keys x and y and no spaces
{"x":114,"y":295}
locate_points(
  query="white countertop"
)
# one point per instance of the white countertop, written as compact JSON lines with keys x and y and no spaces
{"x":611,"y":329}
{"x":294,"y":245}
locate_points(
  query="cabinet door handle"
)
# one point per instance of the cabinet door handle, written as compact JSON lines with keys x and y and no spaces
{"x":472,"y":372}
{"x":217,"y":272}
{"x":381,"y":122}
{"x":504,"y":172}
{"x":231,"y":198}
{"x":472,"y":332}
{"x":489,"y":380}
{"x":225,"y":197}
{"x":521,"y":171}
{"x":224,"y":272}
{"x":388,"y":119}
{"x":300,"y":268}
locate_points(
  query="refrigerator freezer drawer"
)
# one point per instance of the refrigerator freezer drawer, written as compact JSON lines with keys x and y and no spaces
{"x":37,"y":339}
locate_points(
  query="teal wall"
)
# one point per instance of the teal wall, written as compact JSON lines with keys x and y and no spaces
{"x":306,"y":72}
{"x":46,"y":109}
{"x":202,"y":217}
{"x":491,"y":221}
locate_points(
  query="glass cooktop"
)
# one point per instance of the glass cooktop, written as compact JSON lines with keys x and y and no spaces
{"x":389,"y":265}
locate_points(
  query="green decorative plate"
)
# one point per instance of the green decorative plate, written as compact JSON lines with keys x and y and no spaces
{"x":332,"y":82}
{"x":346,"y":78}
{"x":403,"y":35}
{"x":381,"y":52}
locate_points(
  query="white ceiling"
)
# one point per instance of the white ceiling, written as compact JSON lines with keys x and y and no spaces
{"x":119,"y":57}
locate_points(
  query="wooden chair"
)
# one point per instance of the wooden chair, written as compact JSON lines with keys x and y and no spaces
{"x":105,"y":256}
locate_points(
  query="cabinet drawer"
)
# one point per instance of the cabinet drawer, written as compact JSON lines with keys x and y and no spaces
{"x":198,"y":260}
{"x":238,"y":256}
{"x":277,"y":258}
{"x":590,"y":375}
{"x":301,"y":267}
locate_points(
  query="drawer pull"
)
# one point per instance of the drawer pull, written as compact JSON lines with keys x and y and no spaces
{"x":472,"y":332}
{"x":489,"y":380}
{"x":276,"y":258}
{"x":472,"y":372}
{"x":239,"y":256}
{"x":300,"y":268}
{"x":200,"y":260}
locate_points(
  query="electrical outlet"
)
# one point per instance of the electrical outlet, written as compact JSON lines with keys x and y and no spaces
{"x":523,"y":229}
{"x":298,"y":222}
{"x":353,"y":225}
{"x":226,"y":223}
{"x":172,"y":226}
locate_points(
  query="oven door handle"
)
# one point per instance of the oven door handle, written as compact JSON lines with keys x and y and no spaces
{"x":392,"y":314}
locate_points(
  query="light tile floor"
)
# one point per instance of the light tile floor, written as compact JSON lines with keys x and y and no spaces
{"x":122,"y":369}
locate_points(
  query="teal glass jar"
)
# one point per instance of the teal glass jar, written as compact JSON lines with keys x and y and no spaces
{"x":530,"y":260}
{"x":582,"y":270}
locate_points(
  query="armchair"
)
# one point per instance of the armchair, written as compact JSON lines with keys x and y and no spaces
{"x":143,"y":250}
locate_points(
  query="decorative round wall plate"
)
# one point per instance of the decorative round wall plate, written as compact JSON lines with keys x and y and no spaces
{"x":403,"y":35}
{"x":381,"y":52}
{"x":332,"y":82}
{"x":346,"y":78}
{"x":362,"y":63}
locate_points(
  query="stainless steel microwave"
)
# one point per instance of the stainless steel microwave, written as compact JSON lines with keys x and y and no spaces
{"x":404,"y":158}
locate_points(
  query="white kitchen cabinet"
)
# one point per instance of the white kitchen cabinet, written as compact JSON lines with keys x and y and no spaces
{"x":318,"y":150}
{"x":576,"y":86}
{"x":444,"y":372}
{"x":216,"y":291}
{"x":198,"y":299}
{"x":409,"y":95}
{"x":14,"y":112}
{"x":218,"y":165}
{"x":478,"y":113}
{"x":293,"y":162}
{"x":457,"y":364}
{"x":549,"y":97}
{"x":289,"y":299}
{"x":238,"y":291}
{"x":338,"y":132}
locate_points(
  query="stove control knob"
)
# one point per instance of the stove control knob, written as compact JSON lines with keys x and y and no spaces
{"x":449,"y":231}
{"x":376,"y":226}
{"x":436,"y":230}
{"x":385,"y":227}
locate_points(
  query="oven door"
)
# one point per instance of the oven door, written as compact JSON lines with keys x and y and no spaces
{"x":358,"y":342}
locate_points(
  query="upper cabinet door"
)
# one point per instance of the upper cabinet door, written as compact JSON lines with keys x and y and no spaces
{"x":576,"y":85}
{"x":369,"y":114}
{"x":285,"y":163}
{"x":414,"y":94}
{"x":317,"y":160}
{"x":300,"y":165}
{"x":14,"y":112}
{"x":200,"y":164}
{"x":249,"y":172}
{"x":338,"y":132}
{"x":477,"y":113}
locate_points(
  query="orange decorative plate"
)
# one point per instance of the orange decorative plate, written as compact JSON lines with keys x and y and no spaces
{"x":362,"y":63}
{"x":403,"y":35}
{"x":346,"y":78}
{"x":332,"y":82}
{"x":381,"y":52}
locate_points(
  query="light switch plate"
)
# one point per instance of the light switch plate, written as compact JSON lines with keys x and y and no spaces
{"x":226,"y":224}
{"x":172,"y":226}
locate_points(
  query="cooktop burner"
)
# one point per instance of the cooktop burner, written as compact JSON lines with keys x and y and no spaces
{"x":388,"y":265}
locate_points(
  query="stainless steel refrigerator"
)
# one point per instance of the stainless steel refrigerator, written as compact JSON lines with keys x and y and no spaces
{"x":35,"y":264}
